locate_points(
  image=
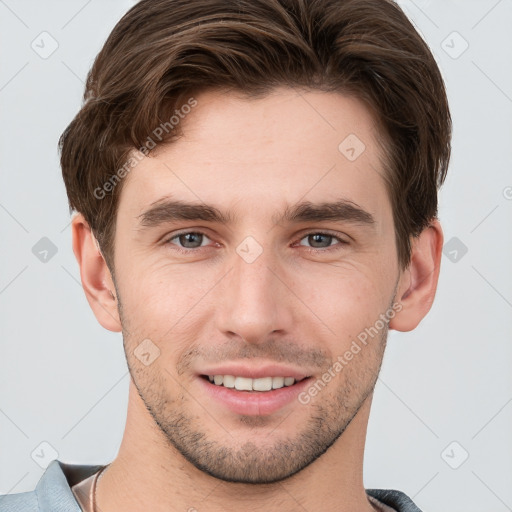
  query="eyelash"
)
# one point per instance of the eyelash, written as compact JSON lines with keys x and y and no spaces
{"x":310,"y":249}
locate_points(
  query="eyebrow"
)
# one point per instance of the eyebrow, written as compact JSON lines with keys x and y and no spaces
{"x":168,"y":210}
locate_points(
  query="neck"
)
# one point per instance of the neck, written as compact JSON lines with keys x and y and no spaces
{"x":149,"y":474}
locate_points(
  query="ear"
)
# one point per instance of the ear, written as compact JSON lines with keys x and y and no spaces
{"x":96,"y":278}
{"x":418,"y":283}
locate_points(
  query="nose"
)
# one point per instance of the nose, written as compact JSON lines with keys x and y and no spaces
{"x":254,"y":300}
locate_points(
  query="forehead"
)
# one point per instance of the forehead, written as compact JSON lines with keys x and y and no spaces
{"x":269,"y":152}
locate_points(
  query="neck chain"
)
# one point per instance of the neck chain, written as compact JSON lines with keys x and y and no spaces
{"x":96,"y":480}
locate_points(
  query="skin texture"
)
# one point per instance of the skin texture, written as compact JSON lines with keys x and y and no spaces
{"x":182,"y":450}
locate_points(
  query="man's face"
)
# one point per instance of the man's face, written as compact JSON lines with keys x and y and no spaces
{"x":261,"y":294}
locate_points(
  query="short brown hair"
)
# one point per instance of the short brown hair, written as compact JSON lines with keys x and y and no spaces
{"x":163,"y":51}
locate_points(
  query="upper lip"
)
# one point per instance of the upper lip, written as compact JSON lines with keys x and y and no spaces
{"x":255,"y":372}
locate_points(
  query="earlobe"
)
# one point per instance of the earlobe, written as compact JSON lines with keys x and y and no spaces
{"x":95,"y":275}
{"x":418,"y":284}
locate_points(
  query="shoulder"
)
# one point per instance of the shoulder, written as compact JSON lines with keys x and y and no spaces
{"x":21,"y":502}
{"x":53,"y":491}
{"x":398,"y":500}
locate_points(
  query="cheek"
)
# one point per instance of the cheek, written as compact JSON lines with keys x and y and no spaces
{"x":347,"y":300}
{"x":159,"y":289}
{"x":164,"y":303}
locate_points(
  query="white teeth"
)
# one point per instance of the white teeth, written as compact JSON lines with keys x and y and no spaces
{"x":243,"y":384}
{"x":288,"y":381}
{"x":263,"y":384}
{"x":277,"y":382}
{"x":248,"y":384}
{"x":229,"y":381}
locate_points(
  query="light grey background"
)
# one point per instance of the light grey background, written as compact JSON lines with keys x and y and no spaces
{"x":445,"y":389}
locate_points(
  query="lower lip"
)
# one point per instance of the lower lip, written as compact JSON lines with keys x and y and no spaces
{"x":253,"y":403}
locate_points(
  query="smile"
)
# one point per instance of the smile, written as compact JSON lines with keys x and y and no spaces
{"x":247,"y":384}
{"x":259,"y":396}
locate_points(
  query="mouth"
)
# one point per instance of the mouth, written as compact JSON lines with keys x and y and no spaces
{"x":261,"y":396}
{"x":260,"y":385}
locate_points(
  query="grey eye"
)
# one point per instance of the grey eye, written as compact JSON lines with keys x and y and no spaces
{"x":189,"y":240}
{"x":319,"y":240}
